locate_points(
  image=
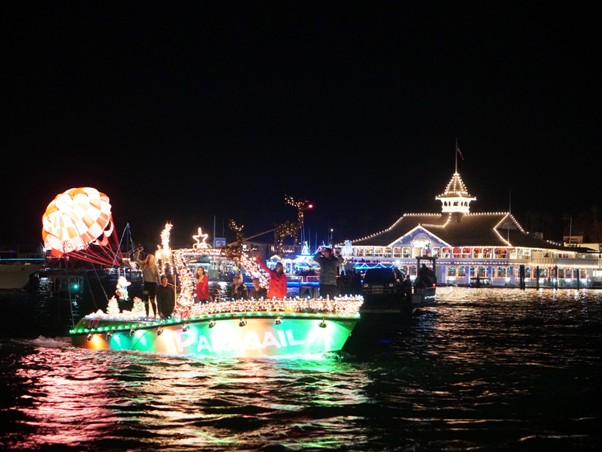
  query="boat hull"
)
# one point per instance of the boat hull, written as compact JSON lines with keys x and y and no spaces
{"x":17,"y":276}
{"x":398,"y":303}
{"x":220,"y":336}
{"x":425,"y":296}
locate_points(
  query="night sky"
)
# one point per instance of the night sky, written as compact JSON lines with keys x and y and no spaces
{"x":199,"y":112}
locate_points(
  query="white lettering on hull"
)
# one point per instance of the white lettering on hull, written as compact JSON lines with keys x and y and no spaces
{"x":250,"y":341}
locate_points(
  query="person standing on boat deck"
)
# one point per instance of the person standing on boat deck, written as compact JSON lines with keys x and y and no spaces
{"x":406,"y":286}
{"x":328,"y":262}
{"x":278,"y":285}
{"x":202,"y":285}
{"x":238,"y":290}
{"x":258,"y":292}
{"x":166,"y":298}
{"x":150,"y":275}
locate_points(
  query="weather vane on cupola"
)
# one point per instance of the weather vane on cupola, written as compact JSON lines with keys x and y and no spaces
{"x":456,"y":199}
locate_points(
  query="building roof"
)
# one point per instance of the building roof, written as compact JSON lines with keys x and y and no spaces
{"x":455,"y":226}
{"x":457,"y":230}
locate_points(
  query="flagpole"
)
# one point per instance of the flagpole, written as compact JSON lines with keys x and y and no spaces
{"x":456,"y":154}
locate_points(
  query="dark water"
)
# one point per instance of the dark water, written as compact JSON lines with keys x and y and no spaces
{"x":486,"y":369}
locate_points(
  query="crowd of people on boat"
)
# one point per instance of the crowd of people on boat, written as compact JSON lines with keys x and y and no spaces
{"x":159,"y":292}
{"x":334,"y":280}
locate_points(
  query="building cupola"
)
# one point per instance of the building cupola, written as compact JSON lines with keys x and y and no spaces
{"x":455,"y":198}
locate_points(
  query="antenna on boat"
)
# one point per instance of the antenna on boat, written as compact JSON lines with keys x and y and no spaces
{"x":126,"y":229}
{"x":214,"y":219}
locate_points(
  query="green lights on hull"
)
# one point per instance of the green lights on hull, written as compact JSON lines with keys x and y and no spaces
{"x":223,"y":335}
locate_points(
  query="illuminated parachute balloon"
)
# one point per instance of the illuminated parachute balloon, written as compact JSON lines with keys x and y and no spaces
{"x":79,"y":223}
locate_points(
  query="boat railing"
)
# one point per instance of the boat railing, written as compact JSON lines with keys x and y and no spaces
{"x":344,"y":306}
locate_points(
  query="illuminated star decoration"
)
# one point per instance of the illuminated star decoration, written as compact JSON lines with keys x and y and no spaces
{"x":200,"y":240}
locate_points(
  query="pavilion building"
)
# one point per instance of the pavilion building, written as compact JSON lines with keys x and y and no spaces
{"x":492,"y":246}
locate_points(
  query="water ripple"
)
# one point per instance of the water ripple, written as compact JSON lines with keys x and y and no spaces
{"x":483,"y":369}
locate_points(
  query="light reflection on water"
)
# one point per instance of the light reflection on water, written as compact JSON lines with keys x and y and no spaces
{"x":484,"y":368}
{"x":76,"y":397}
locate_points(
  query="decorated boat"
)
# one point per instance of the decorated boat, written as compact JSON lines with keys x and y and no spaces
{"x":78,"y":225}
{"x":282,"y":328}
{"x":223,"y":327}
